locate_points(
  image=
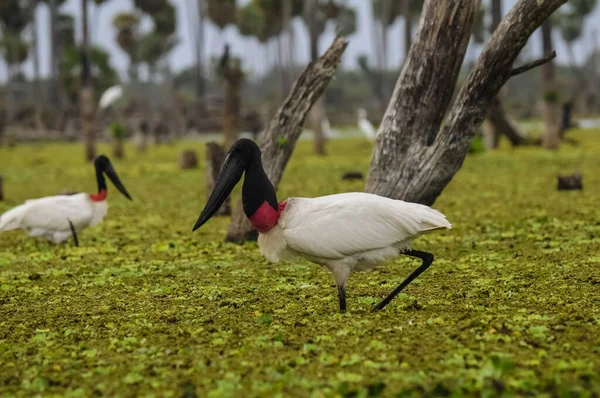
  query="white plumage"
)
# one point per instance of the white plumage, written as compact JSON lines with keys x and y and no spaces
{"x":348,"y":232}
{"x":365,"y":125}
{"x":110,"y":96}
{"x":52,"y":216}
{"x":49,"y":217}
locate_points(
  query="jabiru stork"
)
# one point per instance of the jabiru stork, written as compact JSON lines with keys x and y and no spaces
{"x":59,"y":217}
{"x":345,"y":232}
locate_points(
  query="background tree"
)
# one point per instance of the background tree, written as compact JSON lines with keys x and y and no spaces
{"x":316,"y":14}
{"x":14,"y":50}
{"x":55,"y":46}
{"x":551,"y":95}
{"x":102,"y":73}
{"x":127,"y":26}
{"x":14,"y":18}
{"x":570,"y":21}
{"x":499,"y":122}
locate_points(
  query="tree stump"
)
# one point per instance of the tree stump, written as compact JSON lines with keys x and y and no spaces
{"x":1,"y":188}
{"x":215,"y":156}
{"x":188,"y":160}
{"x":353,"y":175}
{"x":570,"y":183}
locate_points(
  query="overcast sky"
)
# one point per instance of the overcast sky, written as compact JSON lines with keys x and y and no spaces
{"x":182,"y":56}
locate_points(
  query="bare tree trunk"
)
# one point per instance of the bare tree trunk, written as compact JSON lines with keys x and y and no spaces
{"x":416,"y":155}
{"x":215,"y":156}
{"x":551,"y":108}
{"x":407,"y":12}
{"x":54,"y":56}
{"x":87,"y":92}
{"x":317,"y":111}
{"x":117,"y":148}
{"x":279,"y":138}
{"x":37,"y":97}
{"x":234,"y":78}
{"x":499,"y":122}
{"x":200,"y":88}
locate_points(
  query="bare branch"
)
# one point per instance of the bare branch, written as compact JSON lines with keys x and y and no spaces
{"x":416,"y":155}
{"x":279,"y":138}
{"x":533,"y":64}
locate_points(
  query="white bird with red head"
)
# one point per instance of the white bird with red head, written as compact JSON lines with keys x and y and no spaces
{"x":344,"y":232}
{"x":59,"y":217}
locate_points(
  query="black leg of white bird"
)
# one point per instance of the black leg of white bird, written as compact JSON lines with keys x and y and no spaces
{"x":342,"y":296}
{"x":427,"y":260}
{"x":74,"y":233}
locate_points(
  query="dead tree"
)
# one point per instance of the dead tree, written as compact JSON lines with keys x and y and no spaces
{"x":188,"y":160}
{"x":279,"y":138}
{"x":215,"y":156}
{"x":500,"y":122}
{"x":87,"y":92}
{"x":234,"y":78}
{"x":550,"y":105}
{"x":417,"y":152}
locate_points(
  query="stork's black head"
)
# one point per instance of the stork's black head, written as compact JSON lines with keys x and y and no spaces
{"x":103,"y":166}
{"x":244,"y":156}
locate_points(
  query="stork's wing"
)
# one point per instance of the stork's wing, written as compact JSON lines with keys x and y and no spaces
{"x":338,"y":226}
{"x":53,"y":212}
{"x":110,"y":96}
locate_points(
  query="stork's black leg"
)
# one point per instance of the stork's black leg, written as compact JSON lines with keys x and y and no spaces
{"x":342,"y":296}
{"x":74,"y":233}
{"x":427,"y":260}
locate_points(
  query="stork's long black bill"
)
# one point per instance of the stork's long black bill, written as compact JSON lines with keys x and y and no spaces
{"x":231,"y":173}
{"x":112,"y":175}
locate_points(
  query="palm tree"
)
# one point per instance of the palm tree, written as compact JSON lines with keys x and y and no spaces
{"x":127,"y":26}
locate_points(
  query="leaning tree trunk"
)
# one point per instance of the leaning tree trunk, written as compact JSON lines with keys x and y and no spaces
{"x":500,"y":123}
{"x":279,"y":138}
{"x":551,"y":107}
{"x":416,"y":155}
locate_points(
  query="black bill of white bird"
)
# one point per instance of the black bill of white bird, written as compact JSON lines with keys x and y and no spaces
{"x":344,"y":232}
{"x":103,"y":166}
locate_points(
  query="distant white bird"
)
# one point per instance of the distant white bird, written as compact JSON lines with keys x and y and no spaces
{"x":328,"y":132}
{"x":57,"y":218}
{"x":110,"y":96}
{"x":365,"y":125}
{"x":345,"y":232}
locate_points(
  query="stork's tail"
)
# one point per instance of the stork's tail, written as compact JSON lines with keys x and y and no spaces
{"x":11,"y":219}
{"x":431,"y":219}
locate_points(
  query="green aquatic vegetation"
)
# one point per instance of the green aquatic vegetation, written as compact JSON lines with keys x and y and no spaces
{"x":145,"y":307}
